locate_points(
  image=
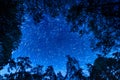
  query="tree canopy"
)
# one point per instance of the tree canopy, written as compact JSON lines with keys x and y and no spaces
{"x":10,"y":19}
{"x":101,"y":17}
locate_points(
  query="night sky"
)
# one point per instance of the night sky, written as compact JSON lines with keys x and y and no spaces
{"x":48,"y":43}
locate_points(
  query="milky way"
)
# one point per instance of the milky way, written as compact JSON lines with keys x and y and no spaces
{"x":48,"y":43}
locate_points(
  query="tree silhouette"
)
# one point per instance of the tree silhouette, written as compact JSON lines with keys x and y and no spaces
{"x":105,"y":68}
{"x":59,"y":76}
{"x":50,"y":74}
{"x":10,"y":19}
{"x":99,"y":17}
{"x":37,"y":72}
{"x":12,"y":65}
{"x":19,"y":68}
{"x":39,"y":8}
{"x":74,"y":72}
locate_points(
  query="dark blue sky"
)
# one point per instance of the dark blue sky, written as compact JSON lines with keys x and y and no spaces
{"x":48,"y":43}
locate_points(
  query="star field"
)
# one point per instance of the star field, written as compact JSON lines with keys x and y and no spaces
{"x":48,"y":43}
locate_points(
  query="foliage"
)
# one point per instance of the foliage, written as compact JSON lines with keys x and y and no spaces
{"x":20,"y":69}
{"x":49,"y":74}
{"x":40,"y":8}
{"x":59,"y":76}
{"x":37,"y":72}
{"x":104,"y":68}
{"x":10,"y":19}
{"x":74,"y":72}
{"x":101,"y":17}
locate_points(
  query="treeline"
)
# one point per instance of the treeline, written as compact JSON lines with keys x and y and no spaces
{"x":103,"y":69}
{"x":101,"y":18}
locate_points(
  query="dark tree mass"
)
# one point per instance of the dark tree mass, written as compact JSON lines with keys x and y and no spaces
{"x":102,"y":18}
{"x":9,"y":29}
{"x":43,"y":32}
